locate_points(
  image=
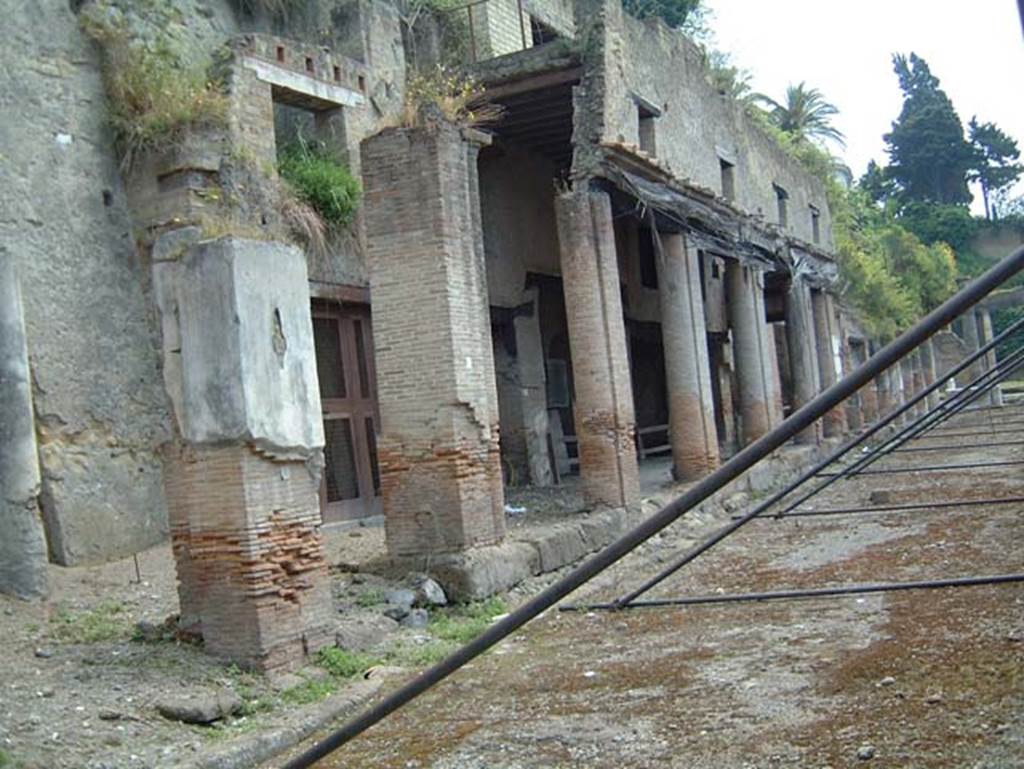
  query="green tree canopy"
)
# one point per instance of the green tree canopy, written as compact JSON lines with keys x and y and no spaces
{"x":805,"y":114}
{"x":929,"y":157}
{"x":676,"y":13}
{"x":996,"y":155}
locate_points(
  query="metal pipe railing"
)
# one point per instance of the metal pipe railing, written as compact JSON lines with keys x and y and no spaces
{"x":778,"y":496}
{"x":940,"y":414}
{"x":801,"y":419}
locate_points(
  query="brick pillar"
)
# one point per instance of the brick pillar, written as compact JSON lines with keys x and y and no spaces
{"x":917,"y":368}
{"x":869,"y":395}
{"x":438,"y":446}
{"x":928,"y":363}
{"x":242,"y":478}
{"x":972,"y":338}
{"x":907,"y":385}
{"x":886,"y":396}
{"x":826,"y":339}
{"x":802,"y":355}
{"x":986,"y":335}
{"x":691,"y":405}
{"x":603,"y":408}
{"x":756,"y":364}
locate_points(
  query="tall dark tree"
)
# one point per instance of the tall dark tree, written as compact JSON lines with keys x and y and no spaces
{"x":876,"y":183}
{"x":929,"y":157}
{"x":996,"y":163}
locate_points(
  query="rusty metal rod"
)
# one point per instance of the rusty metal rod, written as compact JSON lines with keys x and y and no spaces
{"x":928,"y":469}
{"x":901,"y":508}
{"x":778,"y":496}
{"x":923,"y":423}
{"x":797,"y":422}
{"x":961,"y":447}
{"x":905,"y":430}
{"x":821,"y":592}
{"x":942,"y":413}
{"x":940,"y":434}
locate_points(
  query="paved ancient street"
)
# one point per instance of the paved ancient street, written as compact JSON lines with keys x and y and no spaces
{"x":924,"y":679}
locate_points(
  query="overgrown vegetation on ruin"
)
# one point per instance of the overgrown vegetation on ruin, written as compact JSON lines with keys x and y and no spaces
{"x":153,"y":97}
{"x":321,"y":180}
{"x":448,"y":94}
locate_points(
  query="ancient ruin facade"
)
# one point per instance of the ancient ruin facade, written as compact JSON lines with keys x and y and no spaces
{"x":620,"y":268}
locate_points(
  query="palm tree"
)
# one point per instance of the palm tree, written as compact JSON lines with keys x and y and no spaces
{"x":805,"y":115}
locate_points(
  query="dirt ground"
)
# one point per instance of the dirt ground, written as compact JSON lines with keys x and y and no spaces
{"x":916,"y":679}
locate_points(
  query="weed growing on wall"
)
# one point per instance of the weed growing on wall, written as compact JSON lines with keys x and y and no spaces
{"x":454,"y":96}
{"x":153,"y":99}
{"x":321,"y":181}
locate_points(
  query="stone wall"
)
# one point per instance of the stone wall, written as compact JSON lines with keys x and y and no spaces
{"x":101,"y":413}
{"x":645,"y":61}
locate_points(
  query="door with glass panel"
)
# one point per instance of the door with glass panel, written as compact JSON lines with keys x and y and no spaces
{"x":348,"y":394}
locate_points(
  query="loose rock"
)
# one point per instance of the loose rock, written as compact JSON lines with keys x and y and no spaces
{"x":866,"y":752}
{"x":416,"y":618}
{"x":199,"y":708}
{"x":429,"y":592}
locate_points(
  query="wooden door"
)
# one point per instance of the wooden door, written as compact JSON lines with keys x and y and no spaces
{"x":348,"y":394}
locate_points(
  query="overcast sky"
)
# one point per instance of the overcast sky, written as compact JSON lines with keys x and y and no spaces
{"x":844,"y":49}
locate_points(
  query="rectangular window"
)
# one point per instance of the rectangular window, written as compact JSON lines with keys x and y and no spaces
{"x":647,"y":140}
{"x":646,"y":255}
{"x":728,"y":179}
{"x":815,"y":224}
{"x":782,"y":199}
{"x":540,"y":32}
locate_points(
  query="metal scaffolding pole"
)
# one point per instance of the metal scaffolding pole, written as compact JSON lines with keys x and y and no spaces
{"x":821,"y":592}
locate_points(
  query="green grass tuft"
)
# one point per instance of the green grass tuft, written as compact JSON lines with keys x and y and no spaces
{"x":320,"y":180}
{"x":345,"y":664}
{"x":107,"y":622}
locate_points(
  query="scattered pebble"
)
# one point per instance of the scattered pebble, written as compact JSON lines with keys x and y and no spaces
{"x":866,"y":752}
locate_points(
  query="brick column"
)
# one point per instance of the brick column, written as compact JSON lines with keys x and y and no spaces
{"x":756,"y":366}
{"x":972,"y":338}
{"x":603,"y":407}
{"x":438,"y":446}
{"x":917,"y":367}
{"x":826,"y":338}
{"x":907,"y":385}
{"x":242,"y":478}
{"x":928,"y":363}
{"x":691,"y":405}
{"x":802,"y":355}
{"x":886,"y":395}
{"x":986,"y":335}
{"x":869,"y":395}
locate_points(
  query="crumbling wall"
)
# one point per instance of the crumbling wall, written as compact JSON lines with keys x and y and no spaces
{"x":697,"y":125}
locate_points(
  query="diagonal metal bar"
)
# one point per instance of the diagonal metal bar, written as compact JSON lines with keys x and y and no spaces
{"x":778,"y":496}
{"x":942,"y":413}
{"x":943,"y":434}
{"x":875,"y":509}
{"x":821,"y":592}
{"x":738,"y":464}
{"x":954,"y":447}
{"x":928,"y":469}
{"x":907,"y":431}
